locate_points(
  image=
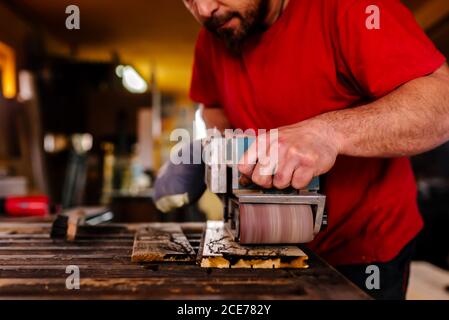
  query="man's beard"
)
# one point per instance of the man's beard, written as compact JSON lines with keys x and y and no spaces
{"x":251,"y":22}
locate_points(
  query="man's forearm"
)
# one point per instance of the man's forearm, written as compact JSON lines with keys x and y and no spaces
{"x":411,"y":120}
{"x":215,"y":118}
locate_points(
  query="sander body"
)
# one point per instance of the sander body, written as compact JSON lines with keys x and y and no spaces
{"x":260,"y":216}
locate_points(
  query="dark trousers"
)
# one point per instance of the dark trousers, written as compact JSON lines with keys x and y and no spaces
{"x":394,"y":275}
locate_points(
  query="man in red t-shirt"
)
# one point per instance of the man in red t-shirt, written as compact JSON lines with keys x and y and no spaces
{"x":354,"y":87}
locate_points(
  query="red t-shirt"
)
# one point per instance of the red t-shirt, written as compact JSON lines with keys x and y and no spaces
{"x":319,"y":56}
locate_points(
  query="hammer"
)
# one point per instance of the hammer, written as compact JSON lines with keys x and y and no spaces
{"x":66,"y":223}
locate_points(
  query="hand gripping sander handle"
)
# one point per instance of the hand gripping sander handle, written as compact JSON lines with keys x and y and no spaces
{"x":256,"y":216}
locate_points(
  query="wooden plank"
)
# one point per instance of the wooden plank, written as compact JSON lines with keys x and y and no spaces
{"x":154,"y":288}
{"x":21,"y":224}
{"x":36,"y":243}
{"x":181,"y":281}
{"x":63,"y":250}
{"x":173,"y":288}
{"x":103,"y":258}
{"x":219,"y":250}
{"x":162,"y":243}
{"x":23,"y":228}
{"x":39,"y":273}
{"x":23,"y":236}
{"x":8,"y":250}
{"x":131,"y":270}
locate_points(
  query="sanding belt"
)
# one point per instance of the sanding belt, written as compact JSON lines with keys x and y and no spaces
{"x":275,"y":223}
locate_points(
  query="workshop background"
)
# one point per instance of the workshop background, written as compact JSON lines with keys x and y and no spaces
{"x":85,"y":115}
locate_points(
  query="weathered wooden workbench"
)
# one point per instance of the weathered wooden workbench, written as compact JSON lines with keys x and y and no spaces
{"x":32,"y":265}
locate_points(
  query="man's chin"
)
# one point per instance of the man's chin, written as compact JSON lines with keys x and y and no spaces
{"x":232,"y":38}
{"x":228,"y":34}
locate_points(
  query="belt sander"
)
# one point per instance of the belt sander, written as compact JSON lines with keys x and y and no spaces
{"x":259,"y":216}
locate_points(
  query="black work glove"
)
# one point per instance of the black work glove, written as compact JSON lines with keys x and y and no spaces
{"x":178,"y":185}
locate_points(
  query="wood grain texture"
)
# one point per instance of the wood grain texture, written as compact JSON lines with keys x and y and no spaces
{"x":40,"y":272}
{"x":162,"y":243}
{"x":221,"y":251}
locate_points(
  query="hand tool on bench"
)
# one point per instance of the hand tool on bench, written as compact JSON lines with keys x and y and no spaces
{"x":66,"y":223}
{"x":257,"y":216}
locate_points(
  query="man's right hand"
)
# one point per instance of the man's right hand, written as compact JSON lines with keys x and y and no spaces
{"x":178,"y":185}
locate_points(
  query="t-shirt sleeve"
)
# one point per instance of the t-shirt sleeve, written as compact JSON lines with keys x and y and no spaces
{"x":381,"y":55}
{"x":203,"y":87}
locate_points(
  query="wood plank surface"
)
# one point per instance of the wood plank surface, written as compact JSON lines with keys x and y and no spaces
{"x":162,"y":243}
{"x":221,"y":251}
{"x":39,"y":272}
